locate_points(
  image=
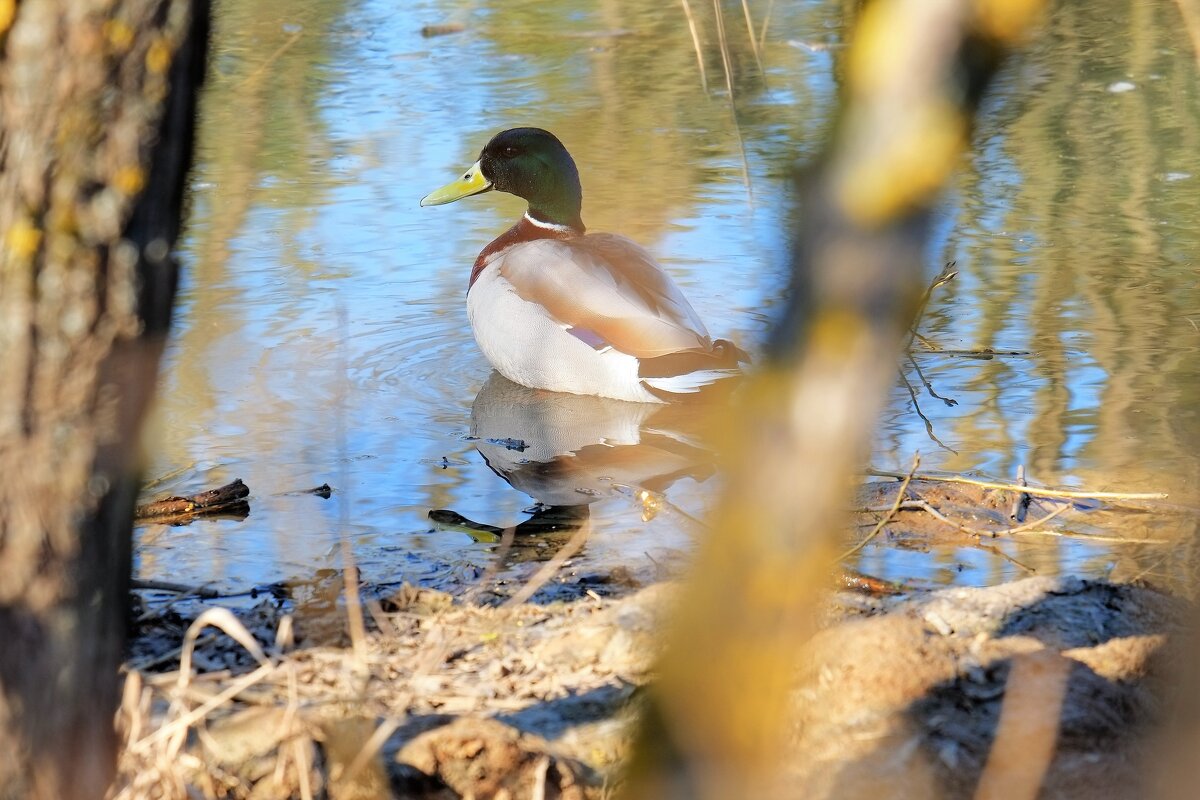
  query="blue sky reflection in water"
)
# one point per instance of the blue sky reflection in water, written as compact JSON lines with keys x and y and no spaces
{"x":322,"y":335}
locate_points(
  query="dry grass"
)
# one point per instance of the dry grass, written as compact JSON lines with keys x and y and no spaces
{"x":320,"y":716}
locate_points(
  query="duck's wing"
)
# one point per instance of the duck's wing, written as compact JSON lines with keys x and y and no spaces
{"x":607,"y":291}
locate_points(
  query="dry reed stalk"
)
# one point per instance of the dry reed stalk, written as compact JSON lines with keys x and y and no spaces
{"x":223,"y":619}
{"x":691,"y":21}
{"x":547,"y":570}
{"x":1190,"y":11}
{"x":370,"y":748}
{"x":173,"y":728}
{"x":737,"y":128}
{"x":762,"y":36}
{"x":753,"y":42}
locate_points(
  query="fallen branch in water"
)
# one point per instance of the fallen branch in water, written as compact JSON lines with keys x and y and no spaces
{"x":924,"y":505}
{"x":170,"y":510}
{"x":1036,"y":491}
{"x":1034,"y":527}
{"x":984,"y":353}
{"x":204,"y":591}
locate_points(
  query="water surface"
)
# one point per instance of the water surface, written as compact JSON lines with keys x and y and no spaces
{"x":321,"y":335}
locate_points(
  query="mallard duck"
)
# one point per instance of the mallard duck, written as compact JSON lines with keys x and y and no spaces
{"x":554,"y":307}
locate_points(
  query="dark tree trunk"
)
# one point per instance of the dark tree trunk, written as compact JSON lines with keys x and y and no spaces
{"x":97,"y":102}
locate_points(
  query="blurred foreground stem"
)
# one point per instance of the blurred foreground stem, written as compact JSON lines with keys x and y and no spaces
{"x":716,"y":722}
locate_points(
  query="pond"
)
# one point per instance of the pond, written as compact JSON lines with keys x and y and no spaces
{"x":321,"y":334}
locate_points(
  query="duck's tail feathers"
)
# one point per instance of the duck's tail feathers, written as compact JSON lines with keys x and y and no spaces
{"x":720,"y":355}
{"x":689,"y":382}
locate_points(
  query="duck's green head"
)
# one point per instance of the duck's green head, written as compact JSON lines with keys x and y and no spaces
{"x":530,"y":163}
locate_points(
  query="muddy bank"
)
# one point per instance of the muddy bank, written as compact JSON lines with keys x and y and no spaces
{"x":445,"y":699}
{"x":912,"y":702}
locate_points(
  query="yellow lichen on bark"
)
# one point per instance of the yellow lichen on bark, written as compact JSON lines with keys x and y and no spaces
{"x":129,"y":179}
{"x":23,"y":239}
{"x":158,"y":57}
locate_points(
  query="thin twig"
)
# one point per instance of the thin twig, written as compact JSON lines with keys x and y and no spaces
{"x":737,"y":129}
{"x":198,"y":713}
{"x":369,"y":749}
{"x":753,"y":43}
{"x":947,"y":274}
{"x":917,"y":407}
{"x":762,"y":36}
{"x":932,"y":510}
{"x":279,"y":51}
{"x":888,"y":516}
{"x":204,"y":590}
{"x":167,"y":476}
{"x":170,"y":655}
{"x":949,"y":401}
{"x":506,"y":542}
{"x":1091,"y":537}
{"x":691,"y":21}
{"x":355,"y":622}
{"x":223,"y":619}
{"x":552,"y":566}
{"x":997,"y":551}
{"x":1037,"y":491}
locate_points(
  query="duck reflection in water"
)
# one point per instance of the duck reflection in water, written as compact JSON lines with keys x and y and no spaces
{"x":569,"y":451}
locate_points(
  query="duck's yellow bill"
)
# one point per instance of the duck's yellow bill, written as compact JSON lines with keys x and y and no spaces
{"x":470,"y":183}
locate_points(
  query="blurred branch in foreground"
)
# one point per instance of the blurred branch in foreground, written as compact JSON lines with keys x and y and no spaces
{"x":716,"y":724}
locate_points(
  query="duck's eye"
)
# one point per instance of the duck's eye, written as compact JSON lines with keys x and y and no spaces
{"x":508,"y":151}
